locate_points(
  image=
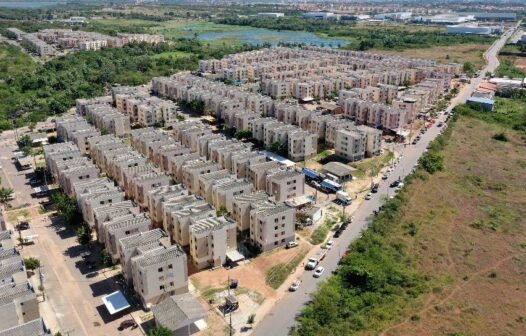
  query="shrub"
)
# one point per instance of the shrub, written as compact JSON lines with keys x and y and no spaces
{"x":31,"y":263}
{"x":501,"y":137}
{"x":432,"y":162}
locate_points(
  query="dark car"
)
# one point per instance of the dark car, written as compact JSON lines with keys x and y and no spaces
{"x":234,"y":283}
{"x":126,"y":324}
{"x":414,"y":142}
{"x":338,"y":233}
{"x":394,"y":184}
{"x":23,"y":226}
{"x":375,"y":187}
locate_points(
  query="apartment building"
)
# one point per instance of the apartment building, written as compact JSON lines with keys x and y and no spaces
{"x":158,"y":196}
{"x":82,"y":170}
{"x":159,"y":272}
{"x":350,"y":144}
{"x":137,"y":244}
{"x":206,"y":181}
{"x":142,"y":184}
{"x":175,"y":204}
{"x":58,"y":153}
{"x":242,"y":204}
{"x":258,"y":174}
{"x":271,"y":225}
{"x":193,"y":169}
{"x":285,"y":184}
{"x":110,"y":232}
{"x":211,"y":239}
{"x":111,"y":211}
{"x":224,"y":191}
{"x":181,"y":220}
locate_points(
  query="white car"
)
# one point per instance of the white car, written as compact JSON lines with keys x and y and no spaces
{"x":368,"y":196}
{"x":318,"y":272}
{"x":329,"y":244}
{"x":295,"y":285}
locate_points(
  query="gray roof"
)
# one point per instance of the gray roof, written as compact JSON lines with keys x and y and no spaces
{"x":11,"y":292}
{"x":215,"y":175}
{"x":142,"y":238}
{"x":157,"y":256}
{"x":178,"y":311}
{"x":7,"y":271}
{"x":31,"y":328}
{"x":5,"y":235}
{"x":338,"y":169}
{"x":281,"y":175}
{"x":4,"y":254}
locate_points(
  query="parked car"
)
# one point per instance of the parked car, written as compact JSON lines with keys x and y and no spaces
{"x":338,"y":233}
{"x":385,"y":177}
{"x":295,"y":285}
{"x":394,"y":184}
{"x":414,"y":142}
{"x":318,"y":272}
{"x":440,"y":124}
{"x":375,"y":187}
{"x":329,"y":244}
{"x":291,"y":244}
{"x":234,"y":283}
{"x":23,"y":226}
{"x":126,"y":324}
{"x":368,"y":196}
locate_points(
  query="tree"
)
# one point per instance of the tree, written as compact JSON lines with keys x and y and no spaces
{"x":105,"y":258}
{"x":160,"y":331}
{"x":251,"y":319}
{"x":84,"y":234}
{"x":243,"y":134}
{"x":469,"y":68}
{"x":31,"y":263}
{"x":432,"y":162}
{"x":24,"y":143}
{"x":5,"y":195}
{"x":67,"y":208}
{"x":58,"y":333}
{"x":278,"y":148}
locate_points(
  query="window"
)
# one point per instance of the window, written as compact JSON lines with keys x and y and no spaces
{"x":160,"y":269}
{"x":170,"y":266}
{"x":161,"y":287}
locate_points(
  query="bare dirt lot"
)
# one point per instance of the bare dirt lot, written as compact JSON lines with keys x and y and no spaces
{"x":471,"y":238}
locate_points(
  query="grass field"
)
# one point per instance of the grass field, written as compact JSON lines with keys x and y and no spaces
{"x":470,"y":237}
{"x":512,"y":62}
{"x":447,"y":54}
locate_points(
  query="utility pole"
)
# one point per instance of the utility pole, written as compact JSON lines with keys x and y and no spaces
{"x":41,"y":283}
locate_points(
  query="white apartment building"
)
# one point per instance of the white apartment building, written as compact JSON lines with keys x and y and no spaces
{"x":272,"y":226}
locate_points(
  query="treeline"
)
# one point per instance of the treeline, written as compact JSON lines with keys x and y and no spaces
{"x":36,"y":92}
{"x":363,"y":37}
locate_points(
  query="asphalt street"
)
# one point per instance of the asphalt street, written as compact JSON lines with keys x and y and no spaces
{"x":283,"y":315}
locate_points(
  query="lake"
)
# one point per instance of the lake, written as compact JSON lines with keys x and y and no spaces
{"x":261,"y":35}
{"x":28,"y":4}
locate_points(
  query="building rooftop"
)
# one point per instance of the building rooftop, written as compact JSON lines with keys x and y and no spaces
{"x":143,"y":238}
{"x":178,"y":311}
{"x":159,"y":255}
{"x":31,"y":328}
{"x":338,"y":169}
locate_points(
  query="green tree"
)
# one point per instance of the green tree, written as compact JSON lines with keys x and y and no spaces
{"x":278,"y":148}
{"x":5,"y":195}
{"x":31,"y":263}
{"x":469,"y":68}
{"x":67,"y":208}
{"x":84,"y":234}
{"x":58,"y":333}
{"x":432,"y":162}
{"x":243,"y":134}
{"x":105,"y":258}
{"x":160,"y":331}
{"x":24,"y":143}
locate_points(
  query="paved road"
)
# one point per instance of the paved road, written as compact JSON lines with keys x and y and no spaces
{"x":282,"y":317}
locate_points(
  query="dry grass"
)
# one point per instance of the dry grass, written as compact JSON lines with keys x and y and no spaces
{"x":470,"y":239}
{"x":446,"y":54}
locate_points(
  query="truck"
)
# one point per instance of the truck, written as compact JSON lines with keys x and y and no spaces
{"x":312,"y":175}
{"x":315,"y":259}
{"x":330,"y":186}
{"x":343,"y":197}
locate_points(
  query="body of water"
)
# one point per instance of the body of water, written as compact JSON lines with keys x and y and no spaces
{"x":261,"y":35}
{"x":28,"y":4}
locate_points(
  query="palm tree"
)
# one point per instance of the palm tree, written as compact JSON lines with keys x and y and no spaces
{"x":5,"y":195}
